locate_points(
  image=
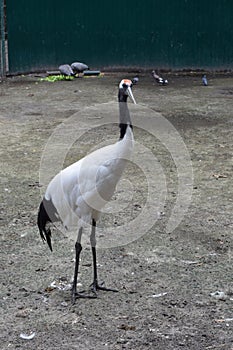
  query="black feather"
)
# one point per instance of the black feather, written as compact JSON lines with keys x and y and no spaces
{"x":47,"y":213}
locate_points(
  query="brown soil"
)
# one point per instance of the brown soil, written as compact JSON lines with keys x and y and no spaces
{"x":166,"y":280}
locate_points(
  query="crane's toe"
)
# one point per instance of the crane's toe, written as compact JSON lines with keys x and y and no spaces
{"x":81,"y":295}
{"x":95,"y":286}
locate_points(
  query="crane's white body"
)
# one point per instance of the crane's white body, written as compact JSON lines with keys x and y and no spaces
{"x":82,"y":189}
{"x":79,"y":192}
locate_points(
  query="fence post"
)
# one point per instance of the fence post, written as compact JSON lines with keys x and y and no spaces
{"x":2,"y":39}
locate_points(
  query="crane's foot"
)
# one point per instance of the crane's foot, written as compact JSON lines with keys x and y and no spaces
{"x":81,"y":295}
{"x":95,"y":286}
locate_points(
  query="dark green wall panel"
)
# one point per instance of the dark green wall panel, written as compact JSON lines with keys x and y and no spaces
{"x":154,"y":33}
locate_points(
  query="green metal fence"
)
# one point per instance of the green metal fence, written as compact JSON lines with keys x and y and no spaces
{"x":155,"y":33}
{"x":2,"y":40}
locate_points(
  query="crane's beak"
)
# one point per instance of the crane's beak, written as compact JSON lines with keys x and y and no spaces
{"x":130,"y":94}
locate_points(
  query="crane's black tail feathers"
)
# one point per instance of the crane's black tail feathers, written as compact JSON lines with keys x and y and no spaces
{"x":42,"y":219}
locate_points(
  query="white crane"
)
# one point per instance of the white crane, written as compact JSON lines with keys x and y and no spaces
{"x":79,"y":192}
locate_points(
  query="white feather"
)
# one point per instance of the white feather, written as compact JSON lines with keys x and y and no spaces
{"x":82,"y":189}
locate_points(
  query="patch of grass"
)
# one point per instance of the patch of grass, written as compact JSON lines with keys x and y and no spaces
{"x":54,"y":78}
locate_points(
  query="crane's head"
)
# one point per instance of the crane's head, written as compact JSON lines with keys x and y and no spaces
{"x":125,"y":91}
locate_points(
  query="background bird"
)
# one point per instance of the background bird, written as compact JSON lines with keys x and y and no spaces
{"x":65,"y":69}
{"x":204,"y":80}
{"x":135,"y":80}
{"x":79,"y":67}
{"x":77,"y":194}
{"x":159,"y":79}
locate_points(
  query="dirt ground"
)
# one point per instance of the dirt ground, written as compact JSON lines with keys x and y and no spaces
{"x":175,"y":288}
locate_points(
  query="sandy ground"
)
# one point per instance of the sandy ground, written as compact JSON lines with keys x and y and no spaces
{"x":175,"y":287}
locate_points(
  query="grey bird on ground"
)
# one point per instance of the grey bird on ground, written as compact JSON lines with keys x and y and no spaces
{"x":135,"y":80}
{"x":204,"y":80}
{"x":65,"y":69}
{"x":79,"y":67}
{"x":159,"y":79}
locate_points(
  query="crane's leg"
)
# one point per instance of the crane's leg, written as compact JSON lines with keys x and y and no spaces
{"x":95,"y":285}
{"x":78,"y":249}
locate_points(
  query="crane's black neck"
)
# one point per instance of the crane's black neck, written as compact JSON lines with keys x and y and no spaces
{"x":122,"y":96}
{"x":124,"y":116}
